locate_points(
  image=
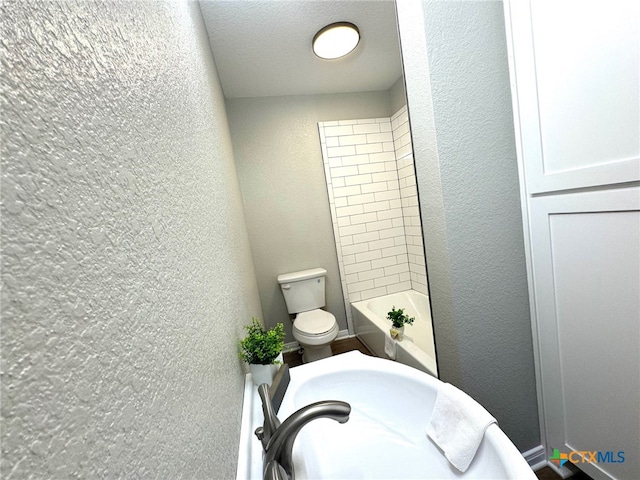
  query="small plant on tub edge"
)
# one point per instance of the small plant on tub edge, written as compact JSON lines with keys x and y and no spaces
{"x":398,"y":318}
{"x":260,"y":346}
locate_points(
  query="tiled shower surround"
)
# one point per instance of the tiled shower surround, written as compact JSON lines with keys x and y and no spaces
{"x":374,"y":206}
{"x":409,"y":197}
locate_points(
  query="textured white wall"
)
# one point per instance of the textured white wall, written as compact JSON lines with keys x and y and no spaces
{"x":126,"y":266}
{"x":397,"y":95}
{"x":459,"y":104}
{"x":277,"y":151}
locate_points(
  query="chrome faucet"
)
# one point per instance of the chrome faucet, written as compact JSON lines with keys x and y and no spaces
{"x":271,"y":421}
{"x":277,"y":439}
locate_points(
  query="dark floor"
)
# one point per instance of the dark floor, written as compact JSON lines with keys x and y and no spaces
{"x":547,"y":473}
{"x":339,"y":346}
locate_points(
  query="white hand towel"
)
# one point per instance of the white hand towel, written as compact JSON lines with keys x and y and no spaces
{"x":390,"y":346}
{"x":457,"y":425}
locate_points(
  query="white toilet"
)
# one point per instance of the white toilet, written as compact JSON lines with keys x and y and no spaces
{"x":313,"y":328}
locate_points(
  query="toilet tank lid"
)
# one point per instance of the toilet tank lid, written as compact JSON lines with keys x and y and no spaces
{"x":301,"y":275}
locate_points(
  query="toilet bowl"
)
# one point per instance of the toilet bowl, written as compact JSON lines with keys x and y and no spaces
{"x":315,"y":330}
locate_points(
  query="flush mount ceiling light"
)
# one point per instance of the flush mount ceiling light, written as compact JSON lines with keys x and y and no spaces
{"x":336,"y":40}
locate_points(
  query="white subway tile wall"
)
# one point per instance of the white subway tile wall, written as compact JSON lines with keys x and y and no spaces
{"x":409,"y":199}
{"x":374,"y":206}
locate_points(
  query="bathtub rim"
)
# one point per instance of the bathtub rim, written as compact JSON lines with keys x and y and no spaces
{"x":249,"y":464}
{"x":417,"y":357}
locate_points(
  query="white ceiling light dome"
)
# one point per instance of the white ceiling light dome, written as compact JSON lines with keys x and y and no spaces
{"x":336,"y":40}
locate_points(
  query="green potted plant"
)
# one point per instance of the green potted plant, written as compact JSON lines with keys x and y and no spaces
{"x":262,"y":350}
{"x":398,"y":320}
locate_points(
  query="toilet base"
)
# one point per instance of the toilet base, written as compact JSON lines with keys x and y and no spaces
{"x":316,"y":352}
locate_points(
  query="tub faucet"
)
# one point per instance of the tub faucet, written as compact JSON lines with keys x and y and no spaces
{"x":279,"y":444}
{"x":271,"y":421}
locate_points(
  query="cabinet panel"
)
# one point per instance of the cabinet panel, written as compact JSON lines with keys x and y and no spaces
{"x":575,"y":79}
{"x":586,"y":265}
{"x":587,"y":66}
{"x":577,"y":76}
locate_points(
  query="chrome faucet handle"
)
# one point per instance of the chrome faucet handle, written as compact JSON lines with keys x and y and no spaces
{"x":277,"y":439}
{"x":273,"y":471}
{"x":279,"y":448}
{"x":271,"y":421}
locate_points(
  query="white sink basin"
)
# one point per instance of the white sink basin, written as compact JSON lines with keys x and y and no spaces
{"x":385,"y":437}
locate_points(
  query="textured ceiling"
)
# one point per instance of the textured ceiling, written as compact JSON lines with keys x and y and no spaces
{"x":263,"y":47}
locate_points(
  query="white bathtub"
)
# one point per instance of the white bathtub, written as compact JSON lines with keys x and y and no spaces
{"x":385,"y":437}
{"x":417,"y":349}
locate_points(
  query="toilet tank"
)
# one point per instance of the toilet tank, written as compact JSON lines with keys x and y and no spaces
{"x":304,"y":290}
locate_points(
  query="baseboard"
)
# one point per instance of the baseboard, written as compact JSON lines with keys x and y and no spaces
{"x":536,"y":457}
{"x":291,"y":346}
{"x":344,"y":334}
{"x":564,"y":471}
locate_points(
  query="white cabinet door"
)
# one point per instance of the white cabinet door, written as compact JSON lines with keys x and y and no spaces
{"x":586,"y":265}
{"x":577,"y":68}
{"x":575,"y":78}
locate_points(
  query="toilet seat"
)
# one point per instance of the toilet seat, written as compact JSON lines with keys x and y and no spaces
{"x":315,"y":330}
{"x":314,"y":323}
